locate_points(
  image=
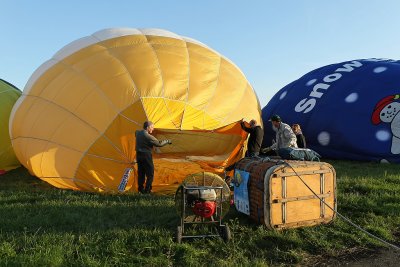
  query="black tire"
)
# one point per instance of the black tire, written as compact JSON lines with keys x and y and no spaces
{"x":225,"y":233}
{"x":178,"y":235}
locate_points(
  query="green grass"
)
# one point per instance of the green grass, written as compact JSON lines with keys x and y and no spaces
{"x":44,"y":226}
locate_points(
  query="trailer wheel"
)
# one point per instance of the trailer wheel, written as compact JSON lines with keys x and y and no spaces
{"x":178,"y":235}
{"x":225,"y":233}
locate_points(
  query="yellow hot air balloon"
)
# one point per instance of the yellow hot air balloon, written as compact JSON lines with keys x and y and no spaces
{"x":8,"y":96}
{"x":74,"y":125}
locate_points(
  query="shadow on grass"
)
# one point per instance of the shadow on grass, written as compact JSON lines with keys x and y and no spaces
{"x":28,"y":204}
{"x":66,"y":217}
{"x":20,"y":179}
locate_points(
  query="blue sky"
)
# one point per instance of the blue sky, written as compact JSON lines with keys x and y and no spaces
{"x":272,"y":42}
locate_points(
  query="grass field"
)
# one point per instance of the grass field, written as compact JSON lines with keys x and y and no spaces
{"x":44,"y":226}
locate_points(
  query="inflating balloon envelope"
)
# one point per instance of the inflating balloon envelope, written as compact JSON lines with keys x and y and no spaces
{"x":74,"y":125}
{"x":348,"y":110}
{"x":8,"y":96}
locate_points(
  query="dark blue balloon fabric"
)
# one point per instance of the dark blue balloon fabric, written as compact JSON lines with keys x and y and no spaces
{"x":349,"y":110}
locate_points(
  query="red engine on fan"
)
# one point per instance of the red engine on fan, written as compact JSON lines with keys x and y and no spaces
{"x":202,"y":201}
{"x":204,"y":209}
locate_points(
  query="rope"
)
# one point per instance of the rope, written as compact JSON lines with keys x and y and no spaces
{"x":340,"y":215}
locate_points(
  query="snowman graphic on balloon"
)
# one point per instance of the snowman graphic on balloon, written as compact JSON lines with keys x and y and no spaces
{"x":388,"y":110}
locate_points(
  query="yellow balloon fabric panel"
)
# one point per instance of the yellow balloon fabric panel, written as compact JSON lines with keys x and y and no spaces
{"x":75,"y":124}
{"x":9,"y":94}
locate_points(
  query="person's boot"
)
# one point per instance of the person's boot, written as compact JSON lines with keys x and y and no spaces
{"x":147,"y":190}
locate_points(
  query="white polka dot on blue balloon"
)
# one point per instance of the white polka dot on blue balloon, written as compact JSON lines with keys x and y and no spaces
{"x":382,"y":135}
{"x":324,"y":138}
{"x":311,"y":82}
{"x":351,"y":98}
{"x":380,"y":69}
{"x":283,"y":95}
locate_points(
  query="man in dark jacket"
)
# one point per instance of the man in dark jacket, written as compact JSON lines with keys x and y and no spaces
{"x":255,"y":139}
{"x":144,"y":146}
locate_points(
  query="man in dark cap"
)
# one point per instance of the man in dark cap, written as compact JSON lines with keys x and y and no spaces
{"x":255,"y":139}
{"x":285,"y":136}
{"x":144,"y":146}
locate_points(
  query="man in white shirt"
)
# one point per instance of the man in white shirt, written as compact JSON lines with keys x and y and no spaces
{"x":285,"y":136}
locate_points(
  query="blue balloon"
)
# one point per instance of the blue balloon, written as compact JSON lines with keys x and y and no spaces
{"x":349,"y":110}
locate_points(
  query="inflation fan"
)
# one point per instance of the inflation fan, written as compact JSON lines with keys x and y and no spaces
{"x":202,"y":198}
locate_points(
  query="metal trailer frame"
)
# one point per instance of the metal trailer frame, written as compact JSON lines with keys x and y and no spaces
{"x":223,"y":229}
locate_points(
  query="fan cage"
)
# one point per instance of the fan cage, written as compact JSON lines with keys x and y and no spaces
{"x":206,"y":180}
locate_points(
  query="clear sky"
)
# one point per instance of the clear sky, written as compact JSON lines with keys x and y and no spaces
{"x":272,"y":42}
